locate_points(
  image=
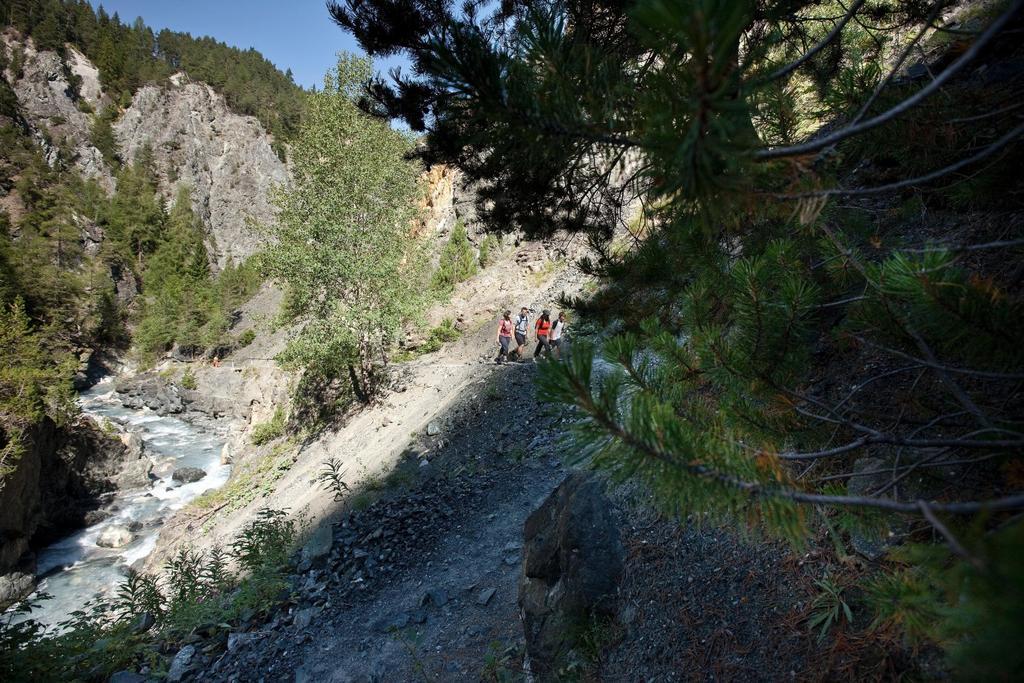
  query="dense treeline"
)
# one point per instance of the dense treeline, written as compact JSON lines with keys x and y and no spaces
{"x":131,"y":55}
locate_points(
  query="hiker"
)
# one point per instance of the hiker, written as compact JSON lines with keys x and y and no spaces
{"x":522,"y":327}
{"x":504,"y":336}
{"x":543,"y":327}
{"x":555,"y":337}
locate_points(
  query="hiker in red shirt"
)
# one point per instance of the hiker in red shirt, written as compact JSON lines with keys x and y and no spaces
{"x":543,"y":328}
{"x":504,"y":336}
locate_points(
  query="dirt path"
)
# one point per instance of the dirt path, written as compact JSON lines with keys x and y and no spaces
{"x":439,"y":600}
{"x":371,"y":441}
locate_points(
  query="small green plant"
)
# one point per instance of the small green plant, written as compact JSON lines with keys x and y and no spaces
{"x":439,"y":336}
{"x":195,"y":590}
{"x":500,"y":664}
{"x":266,"y":432}
{"x":828,"y":607}
{"x":188,"y":380}
{"x":246,"y":338}
{"x":330,"y":478}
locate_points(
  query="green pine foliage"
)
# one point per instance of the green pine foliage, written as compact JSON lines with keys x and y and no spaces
{"x":129,"y":55}
{"x":33,"y":384}
{"x":458,"y":261}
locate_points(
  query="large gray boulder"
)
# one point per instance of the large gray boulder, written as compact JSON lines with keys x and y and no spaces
{"x":14,"y":587}
{"x":869,"y":475}
{"x":572,"y":563}
{"x":187,"y":475}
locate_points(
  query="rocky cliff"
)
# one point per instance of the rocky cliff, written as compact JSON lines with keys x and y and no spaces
{"x":60,"y":483}
{"x":49,"y":106}
{"x":225,"y":158}
{"x":196,"y":140}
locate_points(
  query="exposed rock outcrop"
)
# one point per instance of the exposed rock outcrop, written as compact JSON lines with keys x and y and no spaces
{"x":59,"y":484}
{"x":224,"y":157}
{"x":48,"y":105}
{"x":572,"y":563}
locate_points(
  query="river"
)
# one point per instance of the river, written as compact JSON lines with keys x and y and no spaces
{"x":75,"y":569}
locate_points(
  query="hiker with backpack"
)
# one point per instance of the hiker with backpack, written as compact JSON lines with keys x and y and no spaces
{"x":522,"y":326}
{"x":543,"y":327}
{"x":504,"y":336}
{"x":555,"y":336}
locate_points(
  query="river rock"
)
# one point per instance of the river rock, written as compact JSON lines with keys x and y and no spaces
{"x":14,"y":587}
{"x":187,"y":475}
{"x":572,"y":563}
{"x":137,"y":465}
{"x":115,"y":536}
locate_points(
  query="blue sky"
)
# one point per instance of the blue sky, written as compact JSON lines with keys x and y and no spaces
{"x":294,"y":34}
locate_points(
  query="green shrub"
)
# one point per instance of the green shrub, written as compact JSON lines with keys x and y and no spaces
{"x":270,"y":430}
{"x":487,"y":246}
{"x":458,"y":262}
{"x":246,"y":338}
{"x":188,"y":380}
{"x":440,"y":335}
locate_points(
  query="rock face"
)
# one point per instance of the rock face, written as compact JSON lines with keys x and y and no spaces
{"x":14,"y":587}
{"x":59,"y":484}
{"x":572,"y":562}
{"x":225,"y":158}
{"x":150,"y":391}
{"x":196,"y":140}
{"x":45,"y":97}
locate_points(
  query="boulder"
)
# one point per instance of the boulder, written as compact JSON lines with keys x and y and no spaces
{"x":572,"y":563}
{"x":433,"y":429}
{"x":181,"y":664}
{"x":14,"y":587}
{"x":319,"y":543}
{"x":868,"y":476}
{"x":115,"y":536}
{"x":187,"y":475}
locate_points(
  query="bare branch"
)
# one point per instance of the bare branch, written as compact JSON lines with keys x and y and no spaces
{"x":833,"y":34}
{"x":945,"y":368}
{"x":909,"y":182}
{"x":954,"y":544}
{"x":905,"y":105}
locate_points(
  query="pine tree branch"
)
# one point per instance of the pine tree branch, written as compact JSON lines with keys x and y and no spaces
{"x":848,"y":131}
{"x":832,"y":35}
{"x":997,"y":244}
{"x":899,"y":61}
{"x":937,"y":366}
{"x":909,"y":182}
